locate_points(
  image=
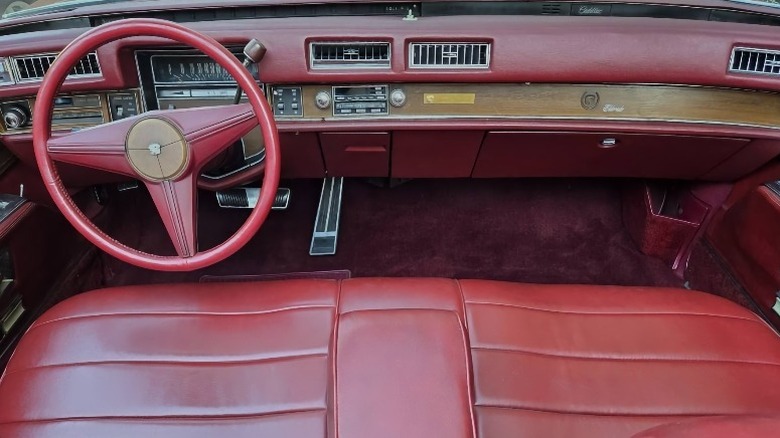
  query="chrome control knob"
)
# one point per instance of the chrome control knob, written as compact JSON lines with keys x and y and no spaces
{"x":15,"y":117}
{"x":322,"y":100}
{"x":397,"y":98}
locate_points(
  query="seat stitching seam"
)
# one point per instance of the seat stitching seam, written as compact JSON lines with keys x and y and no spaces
{"x":167,"y":362}
{"x":403,"y":309}
{"x":463,"y":305}
{"x":181,"y":313}
{"x":600,"y":414}
{"x":539,"y":309}
{"x":334,"y":359}
{"x":627,"y":359}
{"x":207,"y":417}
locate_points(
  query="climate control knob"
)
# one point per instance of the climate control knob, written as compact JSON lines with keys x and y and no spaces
{"x":397,"y":98}
{"x":15,"y":117}
{"x":322,"y":100}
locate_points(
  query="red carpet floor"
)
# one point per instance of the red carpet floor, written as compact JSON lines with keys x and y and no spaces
{"x":542,"y":231}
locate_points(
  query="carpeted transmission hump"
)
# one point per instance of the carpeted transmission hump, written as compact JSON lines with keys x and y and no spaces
{"x":542,"y":231}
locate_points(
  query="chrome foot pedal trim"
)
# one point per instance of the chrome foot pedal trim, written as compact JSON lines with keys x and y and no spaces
{"x":326,"y":225}
{"x":246,"y":197}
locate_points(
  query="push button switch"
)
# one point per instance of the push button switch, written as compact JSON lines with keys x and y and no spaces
{"x":286,"y":102}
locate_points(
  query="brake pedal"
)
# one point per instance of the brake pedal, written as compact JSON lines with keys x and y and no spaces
{"x":246,"y":197}
{"x":326,"y":225}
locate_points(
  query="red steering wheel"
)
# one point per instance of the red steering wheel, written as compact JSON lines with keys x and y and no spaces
{"x":166,"y":150}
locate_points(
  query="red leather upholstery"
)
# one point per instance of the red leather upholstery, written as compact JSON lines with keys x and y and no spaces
{"x":717,"y":427}
{"x":612,"y":361}
{"x":386,"y":333}
{"x":386,"y":357}
{"x":202,"y":360}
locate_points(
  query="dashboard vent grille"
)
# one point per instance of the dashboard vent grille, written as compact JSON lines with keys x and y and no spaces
{"x":34,"y":67}
{"x":551,"y":9}
{"x":449,"y":55}
{"x":757,"y":61}
{"x":343,"y":55}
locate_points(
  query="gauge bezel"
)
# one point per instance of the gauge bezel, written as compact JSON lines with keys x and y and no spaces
{"x":6,"y":64}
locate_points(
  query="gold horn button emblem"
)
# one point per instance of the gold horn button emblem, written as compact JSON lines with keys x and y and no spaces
{"x":156,"y":149}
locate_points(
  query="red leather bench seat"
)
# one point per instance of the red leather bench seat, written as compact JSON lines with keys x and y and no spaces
{"x":387,"y":358}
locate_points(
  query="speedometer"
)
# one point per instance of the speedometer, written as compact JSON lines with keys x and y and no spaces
{"x":177,"y":69}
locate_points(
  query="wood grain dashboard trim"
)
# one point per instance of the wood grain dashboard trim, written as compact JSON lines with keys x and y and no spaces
{"x":656,"y":103}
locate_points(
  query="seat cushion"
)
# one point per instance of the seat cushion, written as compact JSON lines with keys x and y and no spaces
{"x":195,"y":360}
{"x":386,"y":357}
{"x":575,"y":361}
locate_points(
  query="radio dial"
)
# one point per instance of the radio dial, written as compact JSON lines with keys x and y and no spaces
{"x":15,"y":117}
{"x":322,"y":100}
{"x":397,"y":98}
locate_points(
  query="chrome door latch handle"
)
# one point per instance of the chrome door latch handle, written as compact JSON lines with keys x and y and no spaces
{"x":776,"y":307}
{"x":609,"y":142}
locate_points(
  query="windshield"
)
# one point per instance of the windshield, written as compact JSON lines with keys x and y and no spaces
{"x":16,"y":8}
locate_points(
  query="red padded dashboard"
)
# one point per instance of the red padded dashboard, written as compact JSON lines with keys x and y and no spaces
{"x":525,"y":49}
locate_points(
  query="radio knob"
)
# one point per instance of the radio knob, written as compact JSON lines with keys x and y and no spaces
{"x":397,"y":98}
{"x":322,"y":100}
{"x":15,"y":117}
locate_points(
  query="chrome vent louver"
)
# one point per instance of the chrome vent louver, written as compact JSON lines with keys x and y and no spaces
{"x":449,"y":55}
{"x":755,"y":61}
{"x":349,"y":55}
{"x":33,"y":67}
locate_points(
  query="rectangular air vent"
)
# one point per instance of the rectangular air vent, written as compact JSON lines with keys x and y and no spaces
{"x":346,"y":55}
{"x":34,"y":67}
{"x":757,"y":61}
{"x":449,"y":55}
{"x":551,"y":9}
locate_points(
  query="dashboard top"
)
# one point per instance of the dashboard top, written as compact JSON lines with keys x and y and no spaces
{"x":81,"y":14}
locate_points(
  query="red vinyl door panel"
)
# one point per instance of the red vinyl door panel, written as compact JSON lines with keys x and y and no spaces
{"x":748,"y":237}
{"x":550,"y":154}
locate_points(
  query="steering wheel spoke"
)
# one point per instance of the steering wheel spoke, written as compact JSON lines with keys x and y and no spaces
{"x":101,"y":147}
{"x":177,"y":204}
{"x":210,"y":130}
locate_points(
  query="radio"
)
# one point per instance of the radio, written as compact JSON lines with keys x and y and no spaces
{"x":360,"y":100}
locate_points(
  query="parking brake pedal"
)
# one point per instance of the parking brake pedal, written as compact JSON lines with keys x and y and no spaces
{"x":246,"y":197}
{"x":326,"y":225}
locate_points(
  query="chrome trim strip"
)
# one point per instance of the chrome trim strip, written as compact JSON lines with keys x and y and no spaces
{"x":774,"y":186}
{"x":391,"y":117}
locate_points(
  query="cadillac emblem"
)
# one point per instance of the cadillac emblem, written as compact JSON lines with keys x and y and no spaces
{"x":589,"y":100}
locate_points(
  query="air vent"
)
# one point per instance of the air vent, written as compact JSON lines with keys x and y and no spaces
{"x":345,"y":55}
{"x":34,"y":67}
{"x":551,"y":9}
{"x":449,"y":55}
{"x":757,"y":61}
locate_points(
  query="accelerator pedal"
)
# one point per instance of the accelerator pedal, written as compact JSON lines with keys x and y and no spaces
{"x":326,"y":225}
{"x":246,"y":197}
